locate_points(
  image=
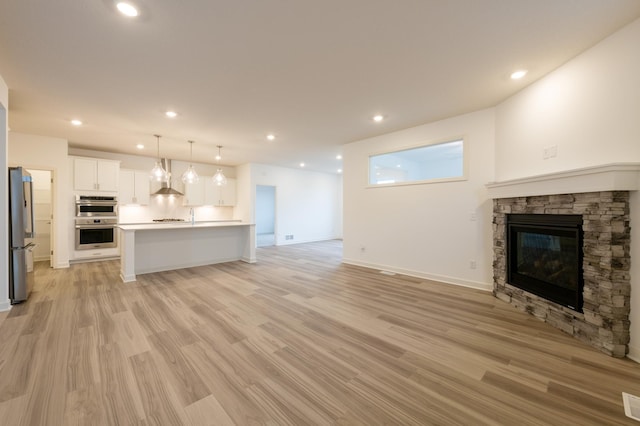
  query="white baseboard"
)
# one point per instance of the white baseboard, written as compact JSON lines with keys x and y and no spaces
{"x":433,"y":277}
{"x":634,"y":354}
{"x":291,"y":242}
{"x":5,"y":305}
{"x":61,"y":265}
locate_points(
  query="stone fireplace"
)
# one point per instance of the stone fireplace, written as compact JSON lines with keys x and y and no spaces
{"x":601,"y":318}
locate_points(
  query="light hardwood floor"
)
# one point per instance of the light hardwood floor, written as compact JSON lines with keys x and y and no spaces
{"x":295,"y":339}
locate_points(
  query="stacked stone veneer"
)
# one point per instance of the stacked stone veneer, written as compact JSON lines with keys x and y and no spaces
{"x":604,"y":322}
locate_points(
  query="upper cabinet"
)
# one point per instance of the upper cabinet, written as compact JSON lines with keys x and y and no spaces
{"x":224,"y":195}
{"x":134,"y":187}
{"x":194,"y":192}
{"x":95,"y":175}
{"x":205,"y":193}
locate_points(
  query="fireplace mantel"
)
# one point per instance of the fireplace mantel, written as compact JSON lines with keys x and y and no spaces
{"x":607,"y":177}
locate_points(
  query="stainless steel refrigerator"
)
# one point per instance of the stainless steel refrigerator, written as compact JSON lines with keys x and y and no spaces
{"x":20,"y":230}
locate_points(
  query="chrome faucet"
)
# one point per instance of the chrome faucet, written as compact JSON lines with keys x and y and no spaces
{"x":192,"y":212}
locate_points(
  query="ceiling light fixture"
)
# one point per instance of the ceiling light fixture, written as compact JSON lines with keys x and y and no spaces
{"x":339,"y":170}
{"x":190,"y":175}
{"x":158,"y":173}
{"x":338,"y":157}
{"x":301,"y":164}
{"x":271,"y":137}
{"x":127,"y":9}
{"x":140,"y":146}
{"x":171,"y":114}
{"x":219,"y":178}
{"x":517,"y":75}
{"x":76,"y":122}
{"x":378,"y":118}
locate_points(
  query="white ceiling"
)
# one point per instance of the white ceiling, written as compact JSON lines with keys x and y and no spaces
{"x":311,"y":72}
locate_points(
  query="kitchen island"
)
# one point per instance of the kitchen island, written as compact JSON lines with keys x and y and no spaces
{"x":146,"y":248}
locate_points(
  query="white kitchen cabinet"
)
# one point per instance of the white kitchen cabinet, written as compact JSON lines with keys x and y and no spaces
{"x":95,"y":175}
{"x":194,"y":193}
{"x":224,"y":195}
{"x":134,"y":187}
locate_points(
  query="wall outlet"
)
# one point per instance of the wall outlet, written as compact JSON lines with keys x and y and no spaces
{"x":363,"y":249}
{"x":473,"y":216}
{"x":472,"y":264}
{"x":288,"y":237}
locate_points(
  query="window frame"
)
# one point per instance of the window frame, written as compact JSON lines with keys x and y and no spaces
{"x":422,"y":144}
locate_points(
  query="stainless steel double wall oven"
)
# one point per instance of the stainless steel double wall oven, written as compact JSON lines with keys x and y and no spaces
{"x":96,"y":222}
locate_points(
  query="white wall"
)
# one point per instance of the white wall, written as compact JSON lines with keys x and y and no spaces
{"x":41,"y":152}
{"x":4,"y":197}
{"x":244,"y":194}
{"x":307,"y":202}
{"x":424,"y":230}
{"x":590,"y":109}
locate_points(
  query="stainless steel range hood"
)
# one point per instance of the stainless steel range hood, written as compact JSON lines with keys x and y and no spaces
{"x":166,"y":188}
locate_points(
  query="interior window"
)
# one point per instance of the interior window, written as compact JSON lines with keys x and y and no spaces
{"x":441,"y":161}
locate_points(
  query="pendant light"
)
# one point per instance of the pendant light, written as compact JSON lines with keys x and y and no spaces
{"x":219,"y":178}
{"x":158,"y":173}
{"x":190,"y":175}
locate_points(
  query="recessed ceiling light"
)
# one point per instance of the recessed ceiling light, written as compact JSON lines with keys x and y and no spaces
{"x":271,"y":137}
{"x":127,"y":9}
{"x":140,"y":146}
{"x":76,"y":122}
{"x":301,"y":164}
{"x":338,"y":157}
{"x":171,"y":114}
{"x":378,"y":118}
{"x":339,"y":170}
{"x":517,"y":75}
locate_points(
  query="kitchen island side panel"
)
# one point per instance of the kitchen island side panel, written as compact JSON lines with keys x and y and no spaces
{"x":164,"y":249}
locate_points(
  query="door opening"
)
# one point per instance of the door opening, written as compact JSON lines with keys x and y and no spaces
{"x":265,"y":215}
{"x":43,"y":214}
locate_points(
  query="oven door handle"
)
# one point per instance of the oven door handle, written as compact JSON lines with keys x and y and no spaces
{"x":97,"y":203}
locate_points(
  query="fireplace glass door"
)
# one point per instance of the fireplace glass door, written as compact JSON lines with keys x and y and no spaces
{"x":545,"y":256}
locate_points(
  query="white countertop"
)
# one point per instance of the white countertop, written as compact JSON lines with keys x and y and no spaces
{"x":178,"y":225}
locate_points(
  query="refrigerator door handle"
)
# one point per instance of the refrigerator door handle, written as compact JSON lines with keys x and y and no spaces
{"x":30,"y":246}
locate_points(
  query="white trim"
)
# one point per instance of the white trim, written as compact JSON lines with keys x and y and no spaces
{"x":607,"y":177}
{"x":634,"y":354}
{"x":128,"y":278}
{"x":433,"y":277}
{"x":61,"y":265}
{"x":5,"y":306}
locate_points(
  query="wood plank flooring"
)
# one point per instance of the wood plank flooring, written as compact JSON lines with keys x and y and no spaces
{"x":295,"y":339}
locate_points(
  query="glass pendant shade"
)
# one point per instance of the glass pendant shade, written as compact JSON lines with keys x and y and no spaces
{"x":219,"y":178}
{"x":158,"y":173}
{"x":190,"y":175}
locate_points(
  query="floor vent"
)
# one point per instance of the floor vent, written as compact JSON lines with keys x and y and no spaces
{"x":631,"y":406}
{"x":387,"y":273}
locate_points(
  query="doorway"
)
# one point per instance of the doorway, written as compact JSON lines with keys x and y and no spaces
{"x":42,"y":214}
{"x":265,"y":215}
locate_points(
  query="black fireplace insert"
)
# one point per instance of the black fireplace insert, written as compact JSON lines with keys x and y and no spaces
{"x":544,"y":256}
